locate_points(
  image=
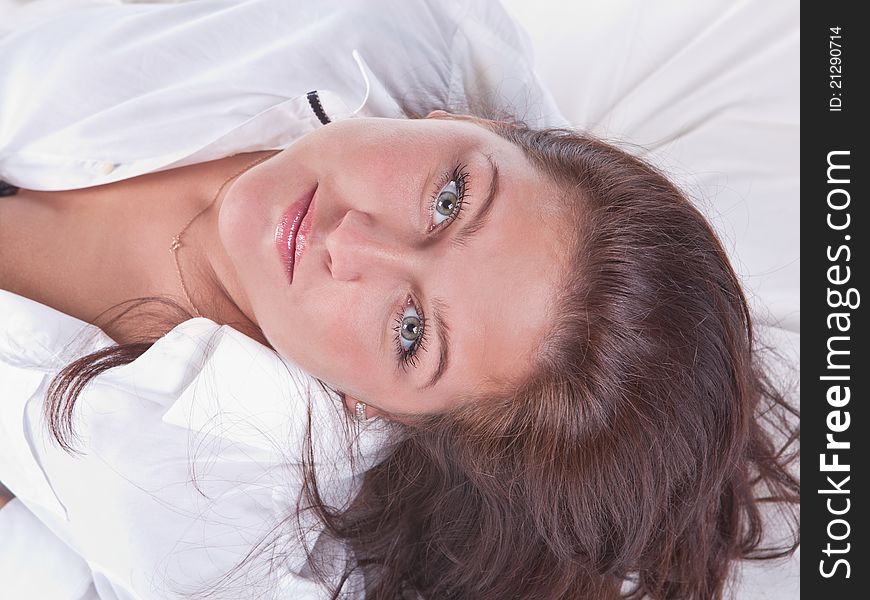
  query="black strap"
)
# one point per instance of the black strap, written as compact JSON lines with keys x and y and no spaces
{"x":317,"y":107}
{"x":7,"y":189}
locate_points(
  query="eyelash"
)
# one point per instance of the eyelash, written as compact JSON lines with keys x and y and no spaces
{"x":460,"y":176}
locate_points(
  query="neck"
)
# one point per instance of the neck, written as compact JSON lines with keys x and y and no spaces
{"x":204,"y":273}
{"x":86,"y":251}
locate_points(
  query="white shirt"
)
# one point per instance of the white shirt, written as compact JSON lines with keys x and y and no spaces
{"x":110,"y":91}
{"x":192,"y":454}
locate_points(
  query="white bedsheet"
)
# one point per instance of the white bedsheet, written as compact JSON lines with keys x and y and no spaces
{"x":712,"y":90}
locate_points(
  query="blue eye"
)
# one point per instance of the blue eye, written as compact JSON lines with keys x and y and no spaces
{"x":446,"y":203}
{"x":449,"y":198}
{"x":412,"y":328}
{"x":409,"y":333}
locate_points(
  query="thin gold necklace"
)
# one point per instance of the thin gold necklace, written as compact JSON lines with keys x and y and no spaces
{"x":176,"y":243}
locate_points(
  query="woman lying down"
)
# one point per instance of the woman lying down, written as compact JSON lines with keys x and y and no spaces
{"x":537,"y":372}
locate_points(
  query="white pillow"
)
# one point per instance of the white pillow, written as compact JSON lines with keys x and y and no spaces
{"x":712,"y":90}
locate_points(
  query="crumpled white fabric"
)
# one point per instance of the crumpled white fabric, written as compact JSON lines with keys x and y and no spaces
{"x":110,"y":91}
{"x":192,"y":455}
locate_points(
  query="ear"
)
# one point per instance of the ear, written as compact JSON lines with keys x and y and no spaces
{"x":443,"y":114}
{"x":438,"y":114}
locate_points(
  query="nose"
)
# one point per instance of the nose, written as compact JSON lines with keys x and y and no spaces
{"x":361,"y":247}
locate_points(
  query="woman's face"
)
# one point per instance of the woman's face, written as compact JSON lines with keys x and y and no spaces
{"x":415,"y":288}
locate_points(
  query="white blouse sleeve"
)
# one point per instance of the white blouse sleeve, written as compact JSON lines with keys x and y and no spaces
{"x":35,"y":563}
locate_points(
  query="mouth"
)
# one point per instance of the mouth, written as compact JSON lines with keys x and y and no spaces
{"x":293,"y":231}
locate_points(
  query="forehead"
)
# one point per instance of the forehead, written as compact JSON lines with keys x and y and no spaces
{"x":502,"y":285}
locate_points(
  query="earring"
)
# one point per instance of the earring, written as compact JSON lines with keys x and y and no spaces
{"x":360,"y":411}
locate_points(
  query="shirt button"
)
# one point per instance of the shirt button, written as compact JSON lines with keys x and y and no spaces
{"x":104,"y":168}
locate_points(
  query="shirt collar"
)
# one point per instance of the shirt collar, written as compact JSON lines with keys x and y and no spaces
{"x":205,"y":375}
{"x":34,"y":335}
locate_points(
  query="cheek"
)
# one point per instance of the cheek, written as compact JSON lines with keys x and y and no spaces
{"x":328,"y":340}
{"x":380,"y":163}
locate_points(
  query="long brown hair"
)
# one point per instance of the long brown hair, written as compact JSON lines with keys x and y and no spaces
{"x":635,"y":459}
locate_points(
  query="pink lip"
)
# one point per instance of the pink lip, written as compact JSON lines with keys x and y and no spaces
{"x":293,"y":231}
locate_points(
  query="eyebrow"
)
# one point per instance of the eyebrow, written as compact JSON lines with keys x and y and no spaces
{"x":480,"y":218}
{"x":442,"y":329}
{"x":439,"y":306}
